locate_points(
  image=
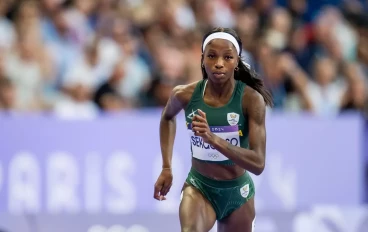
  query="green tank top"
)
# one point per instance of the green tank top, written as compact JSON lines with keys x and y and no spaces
{"x":227,"y":122}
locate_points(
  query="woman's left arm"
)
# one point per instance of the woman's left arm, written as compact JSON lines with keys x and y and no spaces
{"x":252,"y":159}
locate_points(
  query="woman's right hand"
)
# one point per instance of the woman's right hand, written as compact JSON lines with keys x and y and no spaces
{"x":163,"y":184}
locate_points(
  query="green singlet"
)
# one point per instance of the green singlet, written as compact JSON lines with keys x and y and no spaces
{"x":227,"y":122}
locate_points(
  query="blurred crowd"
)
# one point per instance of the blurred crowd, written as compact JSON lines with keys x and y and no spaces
{"x":78,"y":58}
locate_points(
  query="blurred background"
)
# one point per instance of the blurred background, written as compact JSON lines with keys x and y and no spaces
{"x":82,"y":84}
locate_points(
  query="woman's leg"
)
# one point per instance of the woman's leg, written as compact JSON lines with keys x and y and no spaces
{"x":196,"y":212}
{"x":241,"y":220}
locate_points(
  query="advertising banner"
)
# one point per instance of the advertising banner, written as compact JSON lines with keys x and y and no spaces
{"x":109,"y":165}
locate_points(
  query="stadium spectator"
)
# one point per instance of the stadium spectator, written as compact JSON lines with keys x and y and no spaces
{"x":57,"y":54}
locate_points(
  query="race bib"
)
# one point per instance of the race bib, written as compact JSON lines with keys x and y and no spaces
{"x":204,"y":151}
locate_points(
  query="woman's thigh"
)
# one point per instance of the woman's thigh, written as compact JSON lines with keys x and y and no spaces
{"x":196,"y":213}
{"x":241,"y":220}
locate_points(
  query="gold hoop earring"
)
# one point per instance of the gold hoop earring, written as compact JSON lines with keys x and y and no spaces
{"x":236,"y":69}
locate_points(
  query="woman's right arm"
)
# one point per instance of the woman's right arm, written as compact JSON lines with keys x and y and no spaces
{"x":178,"y":100}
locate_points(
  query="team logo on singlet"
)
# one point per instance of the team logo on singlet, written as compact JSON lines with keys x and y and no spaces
{"x":232,"y":118}
{"x":244,"y":191}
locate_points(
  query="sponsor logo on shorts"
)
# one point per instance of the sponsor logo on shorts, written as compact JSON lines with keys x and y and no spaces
{"x":193,"y":182}
{"x":244,"y":191}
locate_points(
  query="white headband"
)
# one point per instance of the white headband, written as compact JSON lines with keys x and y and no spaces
{"x":222,"y":35}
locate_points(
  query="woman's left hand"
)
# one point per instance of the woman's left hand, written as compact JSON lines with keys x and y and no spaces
{"x":200,"y":127}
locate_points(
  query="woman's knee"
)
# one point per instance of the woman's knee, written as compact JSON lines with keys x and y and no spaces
{"x":196,"y":223}
{"x":191,"y":219}
{"x":196,"y":214}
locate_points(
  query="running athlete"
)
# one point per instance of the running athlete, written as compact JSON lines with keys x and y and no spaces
{"x":225,"y":117}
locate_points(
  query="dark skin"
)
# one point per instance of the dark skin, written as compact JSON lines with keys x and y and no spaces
{"x":196,"y":213}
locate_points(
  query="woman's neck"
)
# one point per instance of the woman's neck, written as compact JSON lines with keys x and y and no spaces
{"x":221,"y":90}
